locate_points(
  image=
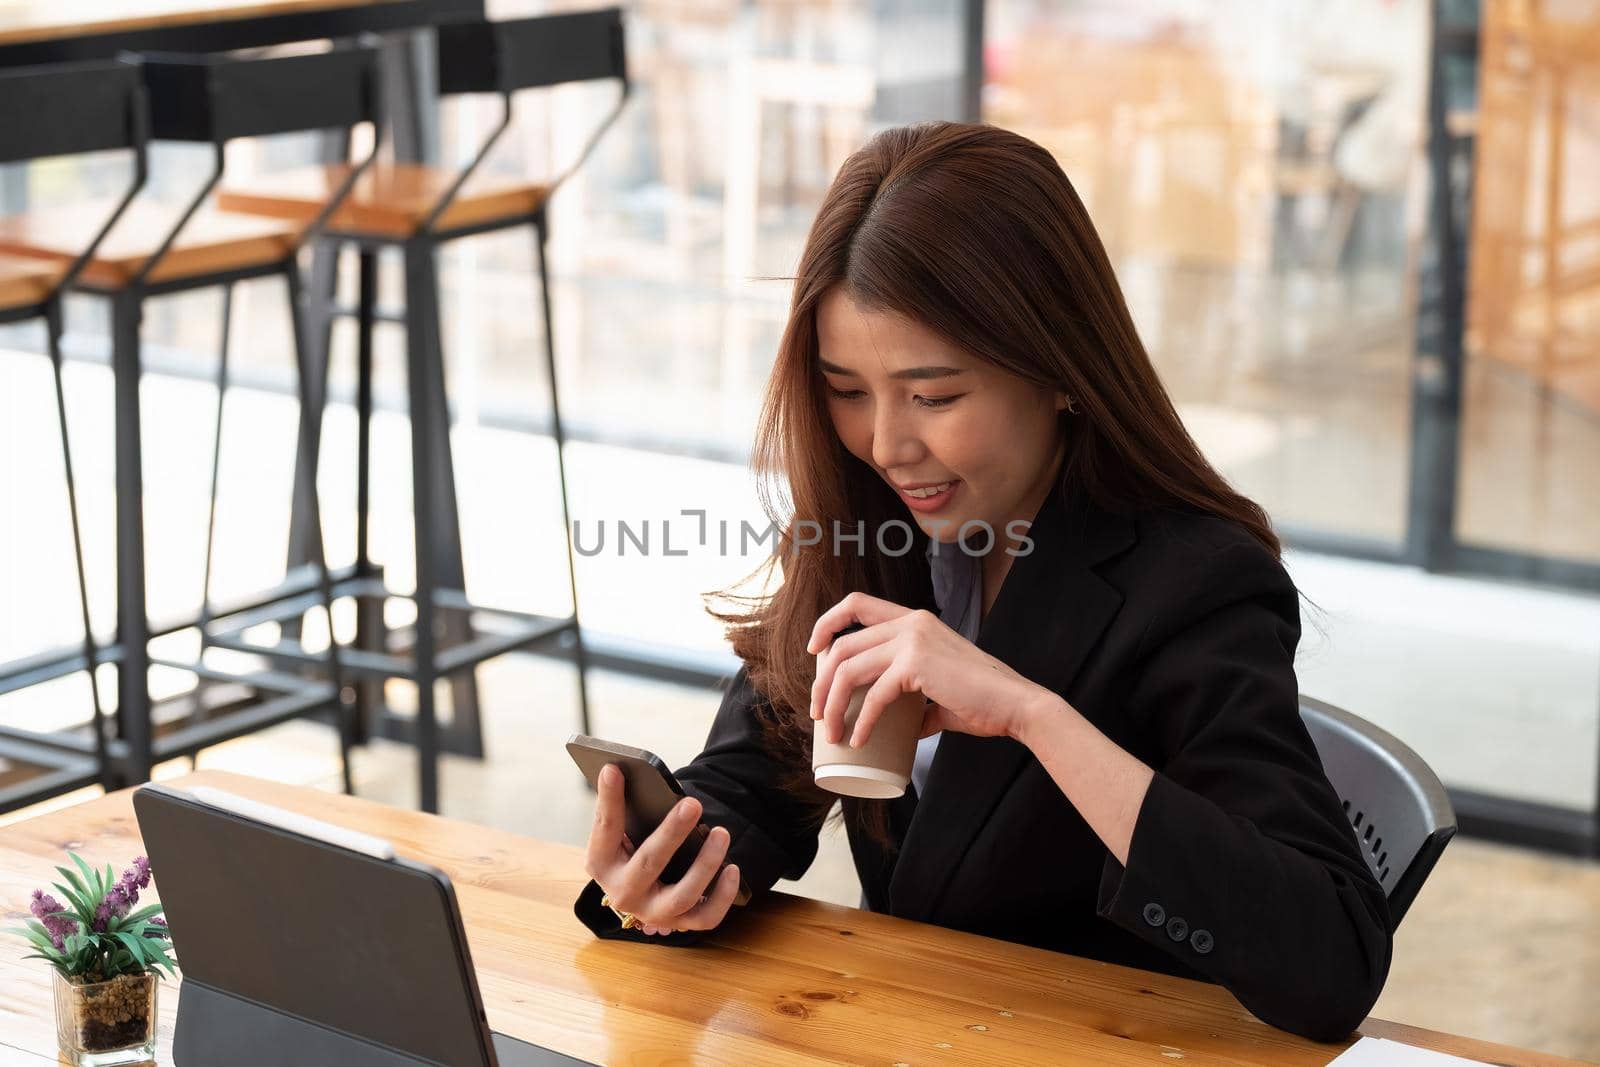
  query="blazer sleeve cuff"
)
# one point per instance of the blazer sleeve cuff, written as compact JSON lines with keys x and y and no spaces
{"x":603,"y":922}
{"x":761,"y":862}
{"x":1139,"y":897}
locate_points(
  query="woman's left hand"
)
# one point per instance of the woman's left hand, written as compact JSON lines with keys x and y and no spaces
{"x":906,"y":651}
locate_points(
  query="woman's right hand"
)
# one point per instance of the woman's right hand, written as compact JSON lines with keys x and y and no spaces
{"x":631,"y":876}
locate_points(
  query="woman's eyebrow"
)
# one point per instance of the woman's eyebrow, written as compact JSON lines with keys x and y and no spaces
{"x":916,"y":373}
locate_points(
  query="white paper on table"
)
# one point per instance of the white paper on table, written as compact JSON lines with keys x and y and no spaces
{"x":1376,"y":1052}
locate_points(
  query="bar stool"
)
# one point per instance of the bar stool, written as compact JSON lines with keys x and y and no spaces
{"x":210,"y":99}
{"x":415,"y":209}
{"x":57,"y":111}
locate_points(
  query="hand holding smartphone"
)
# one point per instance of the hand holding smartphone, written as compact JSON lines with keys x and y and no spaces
{"x":670,"y":870}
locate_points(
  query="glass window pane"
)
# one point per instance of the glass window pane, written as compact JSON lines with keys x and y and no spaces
{"x":1249,"y":169}
{"x":1531,"y":425}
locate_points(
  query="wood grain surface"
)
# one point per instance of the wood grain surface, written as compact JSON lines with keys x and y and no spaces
{"x":26,"y":282}
{"x":389,"y":200}
{"x":789,"y":981}
{"x":210,"y":242}
{"x":37,"y":20}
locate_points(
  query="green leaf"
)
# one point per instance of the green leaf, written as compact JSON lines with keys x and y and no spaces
{"x":52,"y":961}
{"x":75,"y":895}
{"x":143,"y":913}
{"x":134,"y":946}
{"x":73,"y":880}
{"x":111,"y":880}
{"x":90,"y":878}
{"x":79,"y":910}
{"x":159,"y":950}
{"x":38,"y":938}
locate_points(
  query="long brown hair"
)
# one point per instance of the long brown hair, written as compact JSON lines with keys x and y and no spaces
{"x":976,"y":233}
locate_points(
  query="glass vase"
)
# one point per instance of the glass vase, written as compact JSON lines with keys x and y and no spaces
{"x":106,"y":1024}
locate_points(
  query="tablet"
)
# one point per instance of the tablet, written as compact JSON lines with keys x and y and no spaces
{"x":302,"y":942}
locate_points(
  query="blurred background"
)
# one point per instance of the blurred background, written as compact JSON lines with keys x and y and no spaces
{"x":1361,"y":240}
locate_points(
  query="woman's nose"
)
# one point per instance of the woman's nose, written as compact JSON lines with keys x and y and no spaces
{"x":894,"y":441}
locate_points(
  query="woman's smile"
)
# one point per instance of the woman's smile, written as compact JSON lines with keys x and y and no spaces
{"x":929,"y":498}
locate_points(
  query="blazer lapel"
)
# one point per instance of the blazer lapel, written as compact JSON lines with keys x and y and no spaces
{"x":1051,"y":610}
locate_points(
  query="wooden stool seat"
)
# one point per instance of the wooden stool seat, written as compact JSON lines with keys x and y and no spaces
{"x":213,"y":241}
{"x":390,"y":200}
{"x":26,"y":282}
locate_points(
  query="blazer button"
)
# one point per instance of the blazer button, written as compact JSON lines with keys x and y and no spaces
{"x":1155,"y":914}
{"x":1201,"y":941}
{"x":1177,"y":929}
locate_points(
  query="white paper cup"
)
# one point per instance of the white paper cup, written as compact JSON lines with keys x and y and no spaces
{"x":880,"y":769}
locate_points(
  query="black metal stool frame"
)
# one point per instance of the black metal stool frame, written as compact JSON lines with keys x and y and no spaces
{"x":501,"y":58}
{"x":217,"y":99}
{"x":70,"y":109}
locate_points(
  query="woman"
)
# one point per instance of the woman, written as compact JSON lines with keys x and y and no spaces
{"x":1113,"y":762}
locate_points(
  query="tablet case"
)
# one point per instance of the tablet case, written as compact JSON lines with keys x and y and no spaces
{"x":297,"y":951}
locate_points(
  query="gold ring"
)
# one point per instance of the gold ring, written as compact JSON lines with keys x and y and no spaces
{"x":630,"y":921}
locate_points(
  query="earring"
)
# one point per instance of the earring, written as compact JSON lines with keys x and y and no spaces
{"x":1072,"y":407}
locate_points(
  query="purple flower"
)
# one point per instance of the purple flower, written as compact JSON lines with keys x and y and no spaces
{"x":161,"y":921}
{"x":117,"y":903}
{"x":120,"y":898}
{"x":46,"y":909}
{"x":127,"y":888}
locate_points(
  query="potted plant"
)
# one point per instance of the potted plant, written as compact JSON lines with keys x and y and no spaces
{"x":106,"y":953}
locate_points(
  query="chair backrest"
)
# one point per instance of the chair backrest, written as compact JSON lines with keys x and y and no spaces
{"x":1400,"y":811}
{"x":71,"y":109}
{"x":217,"y":97}
{"x":528,"y":53}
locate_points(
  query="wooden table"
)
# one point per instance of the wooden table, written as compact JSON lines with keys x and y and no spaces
{"x":53,"y":31}
{"x":790,"y":981}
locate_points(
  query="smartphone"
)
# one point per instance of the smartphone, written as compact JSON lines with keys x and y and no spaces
{"x":649,"y":793}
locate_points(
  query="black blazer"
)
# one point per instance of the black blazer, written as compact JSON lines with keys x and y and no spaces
{"x":1174,"y":633}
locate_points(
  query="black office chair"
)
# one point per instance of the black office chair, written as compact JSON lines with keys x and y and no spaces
{"x":416,"y":208}
{"x":71,"y":109}
{"x":1399,"y":808}
{"x":212,"y":99}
